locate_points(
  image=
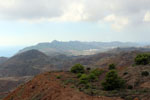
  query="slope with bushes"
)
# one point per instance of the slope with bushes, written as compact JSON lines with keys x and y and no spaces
{"x":48,"y":86}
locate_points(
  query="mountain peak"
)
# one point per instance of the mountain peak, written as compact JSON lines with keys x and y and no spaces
{"x":54,"y":41}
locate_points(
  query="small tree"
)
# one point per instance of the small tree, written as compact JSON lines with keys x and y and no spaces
{"x":83,"y":79}
{"x":97,"y":71}
{"x":112,"y":66}
{"x":78,"y":68}
{"x":145,"y":73}
{"x":88,"y":68}
{"x":92,"y":77}
{"x":142,"y":59}
{"x":79,"y":75}
{"x":113,"y":81}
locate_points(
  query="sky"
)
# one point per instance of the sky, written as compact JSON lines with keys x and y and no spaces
{"x":28,"y":22}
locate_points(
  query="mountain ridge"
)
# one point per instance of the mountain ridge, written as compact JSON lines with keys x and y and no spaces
{"x":76,"y":48}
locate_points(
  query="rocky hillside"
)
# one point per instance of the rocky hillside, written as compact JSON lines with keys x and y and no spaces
{"x":65,"y":85}
{"x":47,"y":87}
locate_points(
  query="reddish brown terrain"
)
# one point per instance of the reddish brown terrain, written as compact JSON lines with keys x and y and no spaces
{"x":47,"y":87}
{"x":8,"y":84}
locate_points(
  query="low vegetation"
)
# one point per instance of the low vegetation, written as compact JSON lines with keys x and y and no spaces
{"x":97,"y":72}
{"x":128,"y":82}
{"x":103,"y":82}
{"x":112,"y":66}
{"x":113,"y":81}
{"x":142,"y":59}
{"x":58,"y":76}
{"x":145,"y":73}
{"x":89,"y":80}
{"x":78,"y":68}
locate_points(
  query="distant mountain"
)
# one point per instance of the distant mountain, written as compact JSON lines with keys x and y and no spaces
{"x":31,"y":63}
{"x":76,"y":47}
{"x":24,"y":64}
{"x":3,"y":59}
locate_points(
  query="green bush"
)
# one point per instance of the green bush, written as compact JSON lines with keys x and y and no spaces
{"x":97,"y":72}
{"x":112,"y":66}
{"x":58,"y":77}
{"x":83,"y":79}
{"x":78,"y":68}
{"x":92,"y":77}
{"x":88,"y":68}
{"x":113,"y":81}
{"x":142,"y":59}
{"x":145,"y":73}
{"x":68,"y":81}
{"x":79,"y":75}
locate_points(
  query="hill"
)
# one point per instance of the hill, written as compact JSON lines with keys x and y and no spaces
{"x":25,"y":64}
{"x":47,"y":87}
{"x":33,"y":62}
{"x":122,"y":58}
{"x":3,"y":59}
{"x":76,"y":48}
{"x":65,"y":86}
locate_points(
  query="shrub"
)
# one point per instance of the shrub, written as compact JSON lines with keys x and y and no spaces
{"x":112,"y":66}
{"x":92,"y":77}
{"x":72,"y":86}
{"x":68,"y":81}
{"x":58,"y":77}
{"x":113,"y":81}
{"x":130,"y":87}
{"x":125,"y":73}
{"x":88,"y":68}
{"x":142,"y":59}
{"x":145,"y":73}
{"x":78,"y":68}
{"x":97,"y":72}
{"x":79,"y":75}
{"x":83,"y":79}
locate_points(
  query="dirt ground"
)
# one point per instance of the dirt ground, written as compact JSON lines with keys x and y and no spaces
{"x":47,"y":87}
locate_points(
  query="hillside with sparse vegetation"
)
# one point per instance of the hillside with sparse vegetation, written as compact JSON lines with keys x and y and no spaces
{"x":87,"y":83}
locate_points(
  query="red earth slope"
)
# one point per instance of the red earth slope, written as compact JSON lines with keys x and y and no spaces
{"x":47,"y":87}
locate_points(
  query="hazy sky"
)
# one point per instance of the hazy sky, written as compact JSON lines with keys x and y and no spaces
{"x":28,"y":22}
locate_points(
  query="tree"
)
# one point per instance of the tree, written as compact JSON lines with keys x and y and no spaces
{"x":84,"y":79}
{"x":142,"y":59}
{"x":92,"y":77}
{"x":112,"y":66}
{"x":78,"y":68}
{"x":145,"y":73}
{"x":113,"y":81}
{"x":97,"y":71}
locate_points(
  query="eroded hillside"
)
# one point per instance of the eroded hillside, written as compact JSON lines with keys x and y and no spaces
{"x":47,"y":87}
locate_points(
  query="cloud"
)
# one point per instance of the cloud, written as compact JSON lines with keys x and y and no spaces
{"x":147,"y":17}
{"x":121,"y":12}
{"x":117,"y":22}
{"x":73,"y":12}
